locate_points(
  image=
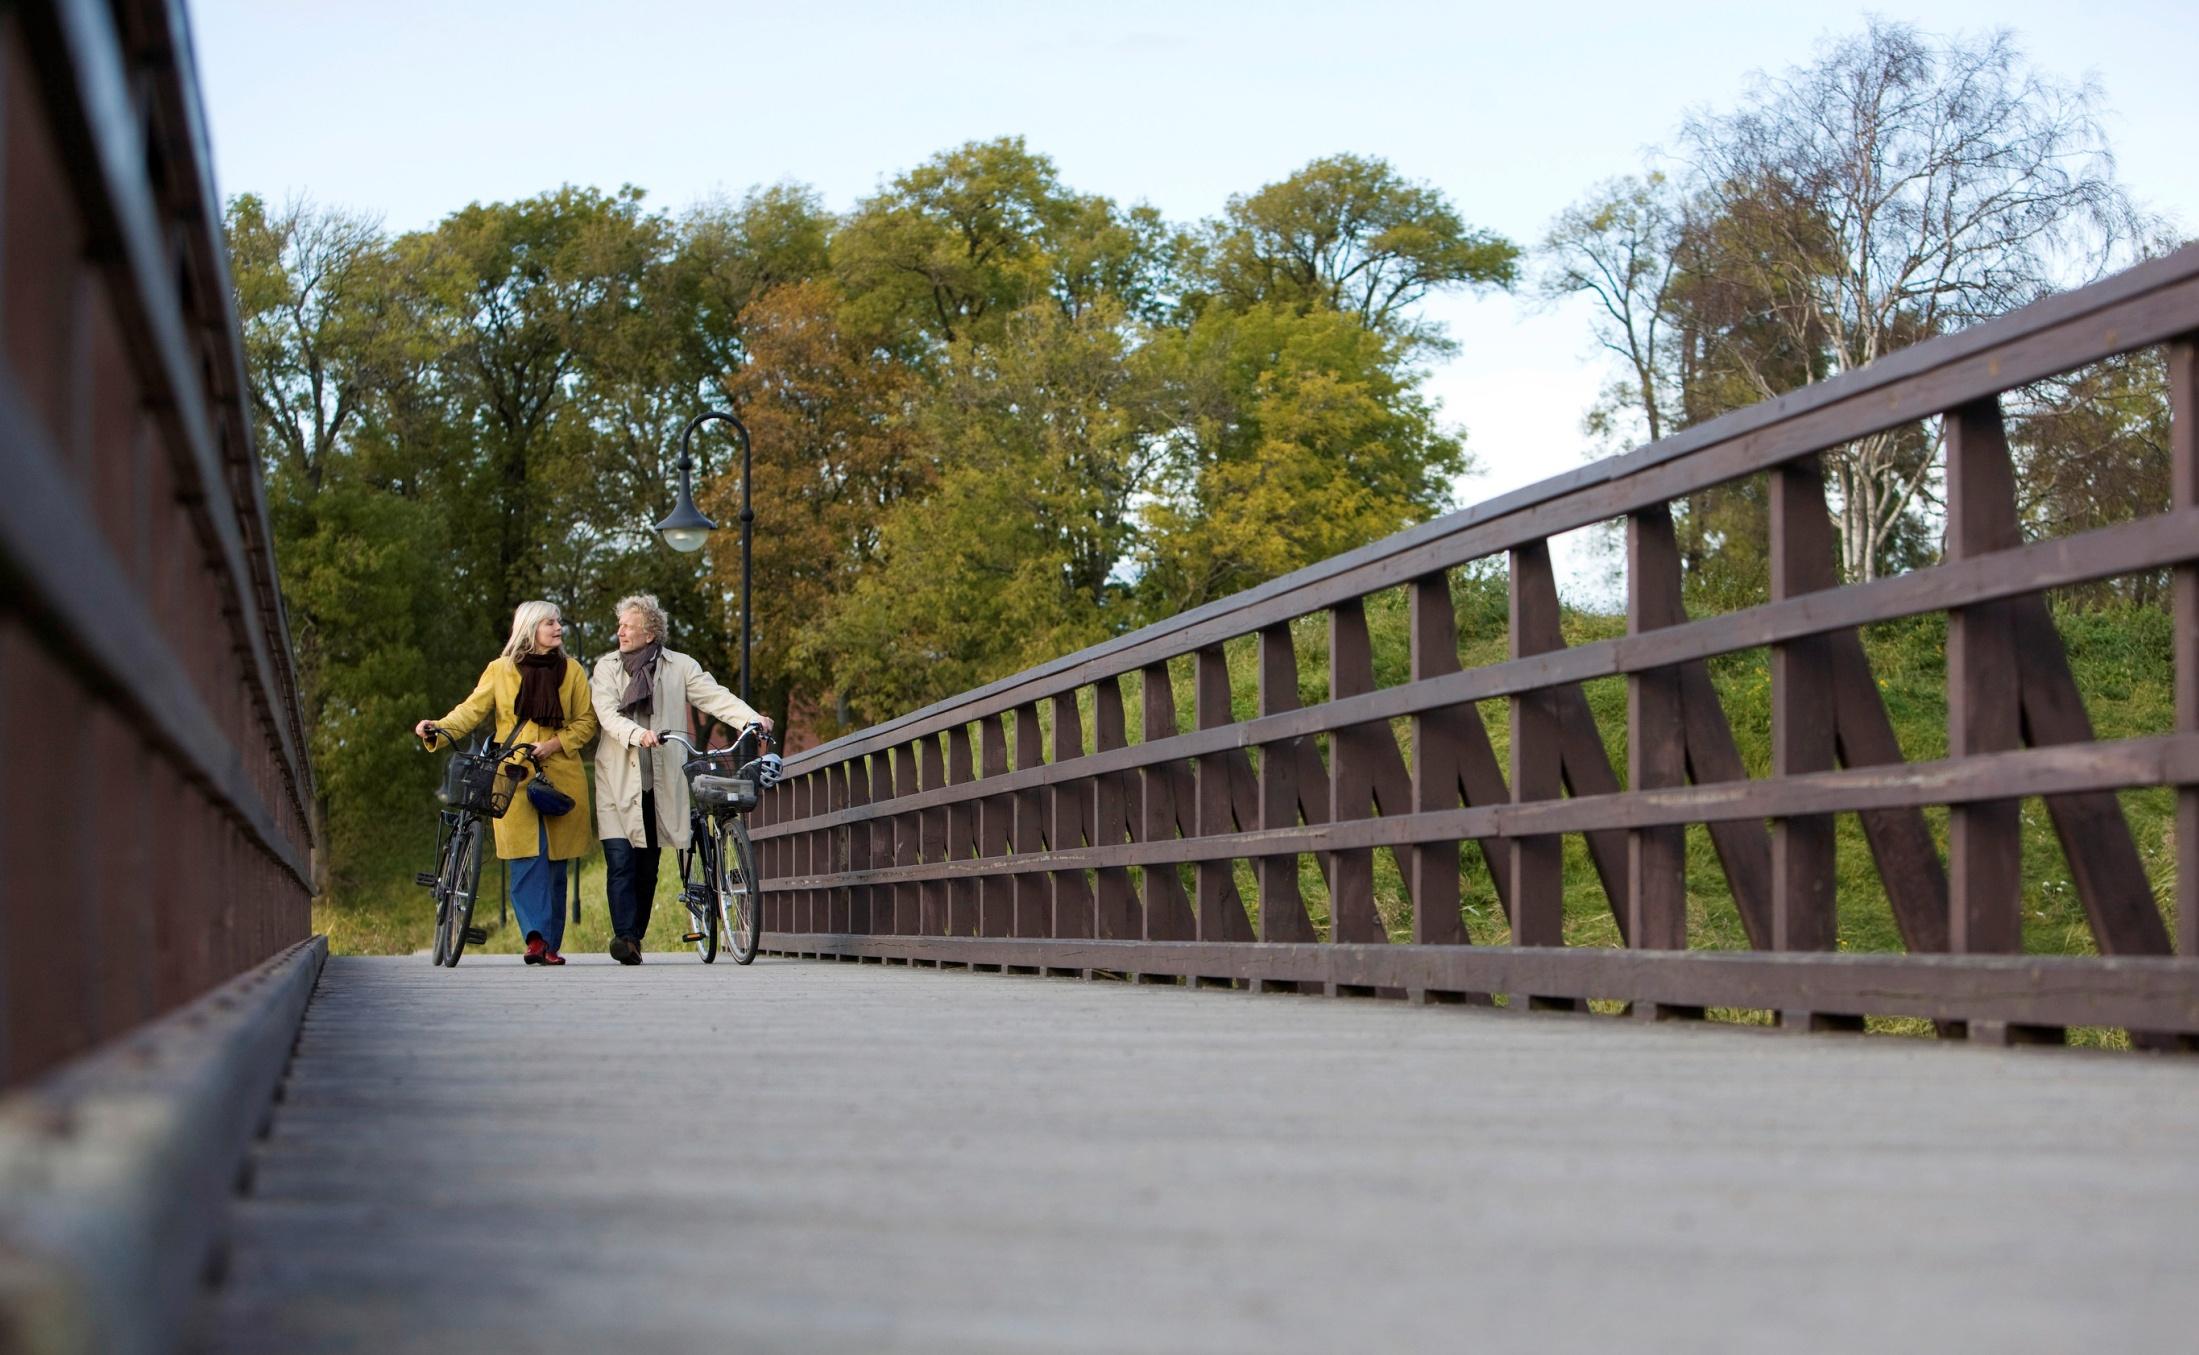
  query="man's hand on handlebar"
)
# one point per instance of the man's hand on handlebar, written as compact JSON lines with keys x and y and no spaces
{"x":647,"y":739}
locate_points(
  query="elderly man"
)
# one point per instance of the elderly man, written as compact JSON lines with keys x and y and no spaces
{"x":641,"y":798}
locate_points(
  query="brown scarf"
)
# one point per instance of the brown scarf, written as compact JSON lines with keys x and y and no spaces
{"x":540,"y":676}
{"x":641,"y":677}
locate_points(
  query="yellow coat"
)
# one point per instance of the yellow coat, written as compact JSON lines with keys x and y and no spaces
{"x":497,"y":693}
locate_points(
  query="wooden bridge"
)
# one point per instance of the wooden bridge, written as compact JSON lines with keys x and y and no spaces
{"x":1052,"y":1048}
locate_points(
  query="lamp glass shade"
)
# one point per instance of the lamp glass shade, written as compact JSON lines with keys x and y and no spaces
{"x":685,"y":529}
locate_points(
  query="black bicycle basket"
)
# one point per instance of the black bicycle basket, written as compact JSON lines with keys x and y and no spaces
{"x":474,"y":783}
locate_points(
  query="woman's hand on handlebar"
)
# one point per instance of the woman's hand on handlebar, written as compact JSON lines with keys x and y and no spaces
{"x":648,"y":738}
{"x":427,"y":733}
{"x":548,"y":748}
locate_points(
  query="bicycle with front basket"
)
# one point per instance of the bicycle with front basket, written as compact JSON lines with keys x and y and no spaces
{"x":477,"y":788}
{"x":718,"y":880}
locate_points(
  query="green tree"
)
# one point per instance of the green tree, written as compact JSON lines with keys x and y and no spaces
{"x":1350,"y":234}
{"x":1289,"y":436}
{"x":1012,"y":557}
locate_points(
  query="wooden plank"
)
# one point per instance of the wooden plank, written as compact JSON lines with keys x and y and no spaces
{"x":932,"y":839}
{"x":961,"y":834}
{"x":1116,"y":902}
{"x":1366,"y":775}
{"x":1804,"y":717}
{"x":881,"y":841}
{"x":1221,"y":915}
{"x":1439,"y":749}
{"x":1068,"y":813}
{"x":1984,"y":695}
{"x":2183,"y":357}
{"x":1538,"y":863}
{"x":1033,"y":897}
{"x":1163,"y":794}
{"x":2104,"y":864}
{"x":908,"y":895}
{"x":2130,"y":992}
{"x":2161,"y":760}
{"x":861,"y":919}
{"x":1283,"y":915}
{"x":1656,"y":739}
{"x":836,"y":851}
{"x":995,"y":831}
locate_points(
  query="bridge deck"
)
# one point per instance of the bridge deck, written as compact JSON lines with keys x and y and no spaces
{"x":801,"y":1156}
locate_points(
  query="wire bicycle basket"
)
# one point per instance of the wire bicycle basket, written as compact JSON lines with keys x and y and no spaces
{"x":475,"y":783}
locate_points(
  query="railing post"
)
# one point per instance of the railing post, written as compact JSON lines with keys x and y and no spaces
{"x":1221,"y":915}
{"x":2183,"y":367}
{"x":1072,"y":897}
{"x":1656,"y":739}
{"x":1804,"y":912}
{"x":1538,"y":862}
{"x":908,"y":897}
{"x":1983,"y":698}
{"x":1117,"y":905}
{"x":1437,"y":753}
{"x":881,"y":841}
{"x":1162,"y":791}
{"x":932,"y":831}
{"x":996,"y":822}
{"x":1282,"y":908}
{"x":858,"y":847}
{"x":961,"y":835}
{"x":1033,"y":913}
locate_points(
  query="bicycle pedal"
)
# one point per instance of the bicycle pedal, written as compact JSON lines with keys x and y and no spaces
{"x":692,"y":936}
{"x":424,"y":878}
{"x":476,"y":936}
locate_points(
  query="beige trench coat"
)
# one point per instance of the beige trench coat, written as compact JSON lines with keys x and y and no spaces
{"x":680,"y":683}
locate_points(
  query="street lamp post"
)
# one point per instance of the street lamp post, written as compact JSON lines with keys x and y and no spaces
{"x":685,"y":528}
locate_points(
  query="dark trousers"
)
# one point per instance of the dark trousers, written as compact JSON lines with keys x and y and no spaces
{"x":630,"y":875}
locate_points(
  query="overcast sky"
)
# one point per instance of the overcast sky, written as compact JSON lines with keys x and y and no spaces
{"x":411,"y":110}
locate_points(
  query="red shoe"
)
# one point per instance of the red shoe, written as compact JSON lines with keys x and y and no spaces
{"x":551,"y":957}
{"x":536,"y":950}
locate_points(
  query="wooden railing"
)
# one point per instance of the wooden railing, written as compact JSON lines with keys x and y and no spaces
{"x":917,"y":841}
{"x":155,"y":837}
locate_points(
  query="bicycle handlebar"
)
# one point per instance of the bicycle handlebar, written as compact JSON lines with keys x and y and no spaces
{"x":435,"y":733}
{"x":676,"y":736}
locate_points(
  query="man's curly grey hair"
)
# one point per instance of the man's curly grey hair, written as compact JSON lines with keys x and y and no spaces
{"x":652,"y":611}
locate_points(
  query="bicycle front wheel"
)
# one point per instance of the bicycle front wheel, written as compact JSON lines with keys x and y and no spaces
{"x":739,"y":896}
{"x":702,"y":916}
{"x":461,"y":885}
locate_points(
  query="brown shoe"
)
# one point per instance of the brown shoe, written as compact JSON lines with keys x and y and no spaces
{"x":551,"y":957}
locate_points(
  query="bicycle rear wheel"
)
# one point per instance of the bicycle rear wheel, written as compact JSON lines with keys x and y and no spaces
{"x":738,"y":896}
{"x":461,"y":884}
{"x":702,"y":917}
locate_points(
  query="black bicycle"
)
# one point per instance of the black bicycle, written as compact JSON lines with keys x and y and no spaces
{"x":478,"y":786}
{"x":718,"y":880}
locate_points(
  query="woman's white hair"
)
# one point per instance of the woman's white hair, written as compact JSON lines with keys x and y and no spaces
{"x":652,"y":611}
{"x":524,"y":620}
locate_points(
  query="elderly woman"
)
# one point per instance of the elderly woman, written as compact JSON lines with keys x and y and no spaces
{"x":641,"y":798}
{"x":535,"y":694}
